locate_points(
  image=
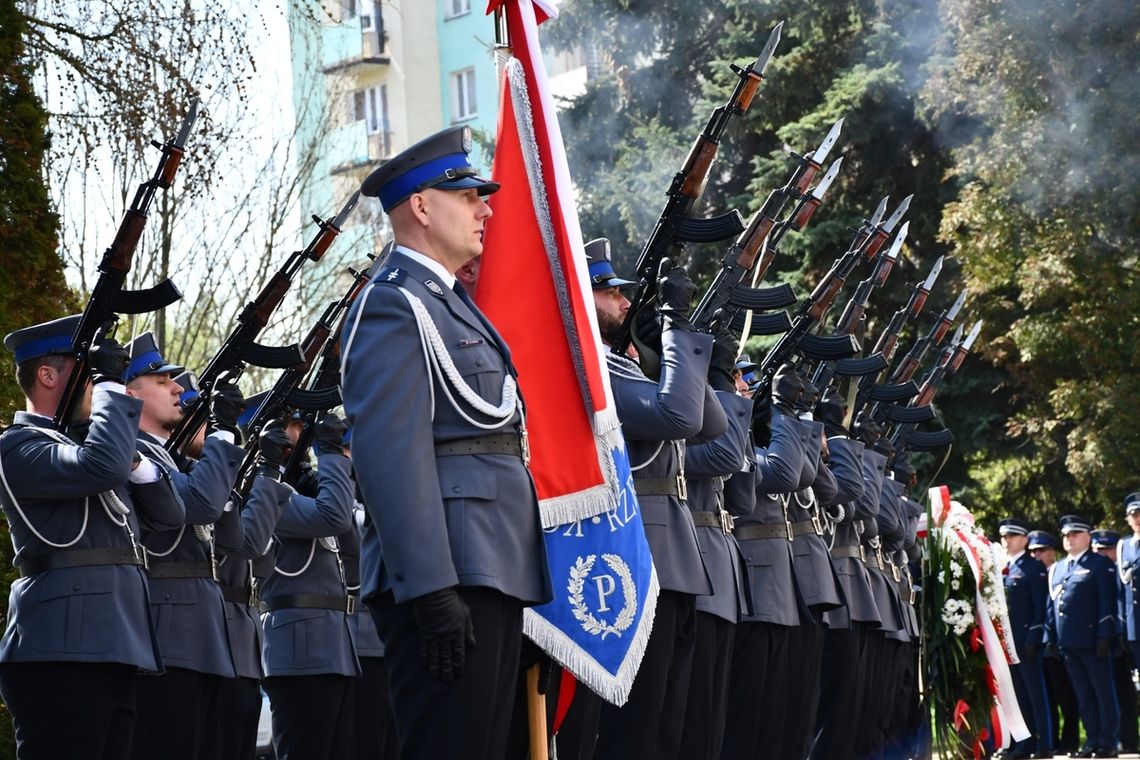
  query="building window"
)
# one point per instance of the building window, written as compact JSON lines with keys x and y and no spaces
{"x":463,"y":104}
{"x":457,"y":8}
{"x":370,"y":105}
{"x":368,"y":10}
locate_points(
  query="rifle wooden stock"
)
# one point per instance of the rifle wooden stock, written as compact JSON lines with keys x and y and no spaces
{"x":804,"y":213}
{"x":748,"y":91}
{"x":697,"y":166}
{"x":824,"y":295}
{"x":804,"y":177}
{"x":170,"y":166}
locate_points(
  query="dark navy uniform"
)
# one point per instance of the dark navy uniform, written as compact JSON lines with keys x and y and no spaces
{"x":438,"y":447}
{"x":1063,"y":711}
{"x":1026,"y":589}
{"x":1081,"y":621}
{"x":79,"y":627}
{"x":1128,"y":560}
{"x":1105,"y":542}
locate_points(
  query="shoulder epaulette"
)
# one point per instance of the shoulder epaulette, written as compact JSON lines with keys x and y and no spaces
{"x":390,"y":275}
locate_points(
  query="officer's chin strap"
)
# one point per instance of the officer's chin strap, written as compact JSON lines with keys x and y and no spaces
{"x":439,"y":363}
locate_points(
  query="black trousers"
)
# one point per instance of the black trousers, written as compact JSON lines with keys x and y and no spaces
{"x":177,"y":715}
{"x":904,"y":719}
{"x":805,"y":659}
{"x":870,"y":736}
{"x":239,"y":709}
{"x":755,"y":698}
{"x":374,"y":725}
{"x":842,"y":673}
{"x":74,"y":710}
{"x":578,"y":732}
{"x":312,"y":716}
{"x":1063,"y":705}
{"x":707,"y":706}
{"x":471,"y":716}
{"x":649,"y":724}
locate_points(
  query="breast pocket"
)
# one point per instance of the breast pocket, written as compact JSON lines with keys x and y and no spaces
{"x":295,"y":640}
{"x":472,"y":521}
{"x":481,"y":367}
{"x":72,"y":611}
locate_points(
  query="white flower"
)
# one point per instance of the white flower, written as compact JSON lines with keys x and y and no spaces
{"x":956,"y":569}
{"x":942,"y":578}
{"x":954,"y":584}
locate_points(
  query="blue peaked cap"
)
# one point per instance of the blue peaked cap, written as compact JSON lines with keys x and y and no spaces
{"x":44,"y":339}
{"x":146,"y":359}
{"x":1040,"y":539}
{"x":189,"y":382}
{"x":601,"y":267}
{"x":1105,"y":538}
{"x":439,"y":161}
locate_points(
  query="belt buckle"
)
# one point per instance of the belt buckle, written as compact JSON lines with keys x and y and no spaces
{"x":682,"y":487}
{"x":727,"y":522}
{"x":350,"y":606}
{"x":524,"y":444}
{"x":862,"y":554}
{"x":254,"y":601}
{"x":788,"y":528}
{"x":913,"y":595}
{"x":214,"y":567}
{"x":815,"y":523}
{"x":895,"y":572}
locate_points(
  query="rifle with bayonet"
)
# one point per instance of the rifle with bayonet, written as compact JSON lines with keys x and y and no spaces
{"x":852,"y":318}
{"x":675,"y":227}
{"x":799,"y":339}
{"x":287,"y":392}
{"x":108,"y":297}
{"x":753,"y":252}
{"x":240,"y":347}
{"x":323,"y":391}
{"x":908,"y":418}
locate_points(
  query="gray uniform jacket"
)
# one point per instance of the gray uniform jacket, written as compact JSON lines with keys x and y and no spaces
{"x":303,"y":640}
{"x":818,"y":587}
{"x":368,"y":643}
{"x":243,"y":534}
{"x":436,"y":521}
{"x":771,"y":580}
{"x":847,"y":463}
{"x":909,"y":510}
{"x":655,"y":417}
{"x":97,"y":613}
{"x":186,"y":601}
{"x":707,"y":467}
{"x":882,"y":580}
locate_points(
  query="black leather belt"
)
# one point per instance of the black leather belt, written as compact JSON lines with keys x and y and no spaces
{"x":65,"y":558}
{"x":849,"y":552}
{"x":181,"y":570}
{"x":721,"y":520}
{"x":502,"y":443}
{"x":345,"y":604}
{"x":237,"y":595}
{"x":776,"y":530}
{"x":674,"y":486}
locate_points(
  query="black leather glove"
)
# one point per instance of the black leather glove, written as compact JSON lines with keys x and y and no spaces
{"x":831,"y":411}
{"x":444,"y":623}
{"x":108,"y":361}
{"x":809,"y":398}
{"x":866,"y":429}
{"x":226,"y":405}
{"x":1032,"y":651}
{"x":675,"y":289}
{"x":787,"y":388}
{"x":272,"y":447}
{"x":1103,"y":648}
{"x":726,"y":347}
{"x":329,"y":433}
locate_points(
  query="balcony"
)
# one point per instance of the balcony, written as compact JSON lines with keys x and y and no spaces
{"x":351,"y":148}
{"x":346,"y":47}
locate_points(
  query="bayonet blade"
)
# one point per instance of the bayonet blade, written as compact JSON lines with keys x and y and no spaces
{"x":957,"y":336}
{"x":900,"y":212}
{"x":882,"y":209}
{"x":896,"y":246}
{"x":828,"y":178}
{"x":187,"y":125}
{"x":344,"y":212}
{"x":828,"y":142}
{"x":934,"y":272}
{"x":765,"y":56}
{"x":957,"y":307}
{"x":973,"y":336}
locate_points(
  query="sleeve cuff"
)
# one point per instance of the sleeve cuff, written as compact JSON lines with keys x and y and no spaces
{"x":146,"y":472}
{"x":112,"y":386}
{"x":223,"y":435}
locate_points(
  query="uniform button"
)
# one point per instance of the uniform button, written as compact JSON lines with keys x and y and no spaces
{"x":478,"y":362}
{"x":166,"y":597}
{"x":455,"y":489}
{"x":698,"y":350}
{"x":76,"y":587}
{"x":399,"y":576}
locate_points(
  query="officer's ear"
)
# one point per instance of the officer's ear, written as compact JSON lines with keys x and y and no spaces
{"x":418,"y":207}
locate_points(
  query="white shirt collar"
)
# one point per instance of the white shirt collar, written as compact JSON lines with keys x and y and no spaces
{"x":447,"y":277}
{"x":1077,"y":557}
{"x":1015,"y":557}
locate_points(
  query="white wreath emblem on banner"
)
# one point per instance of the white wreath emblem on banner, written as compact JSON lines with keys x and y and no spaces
{"x":578,"y":574}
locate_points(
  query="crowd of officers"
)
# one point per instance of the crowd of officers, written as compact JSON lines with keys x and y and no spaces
{"x":1075,"y":630}
{"x":154,"y":603}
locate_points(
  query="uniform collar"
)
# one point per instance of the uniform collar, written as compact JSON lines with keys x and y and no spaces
{"x":1017,"y":556}
{"x":1077,"y":558}
{"x":426,"y":261}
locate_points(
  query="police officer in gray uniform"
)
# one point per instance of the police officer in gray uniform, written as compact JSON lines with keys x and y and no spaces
{"x":657,"y":417}
{"x":439,"y":445}
{"x":761,"y":642}
{"x":708,"y":466}
{"x":177,"y":711}
{"x":79,"y":620}
{"x":308,"y":650}
{"x":243,"y":535}
{"x":843,"y":662}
